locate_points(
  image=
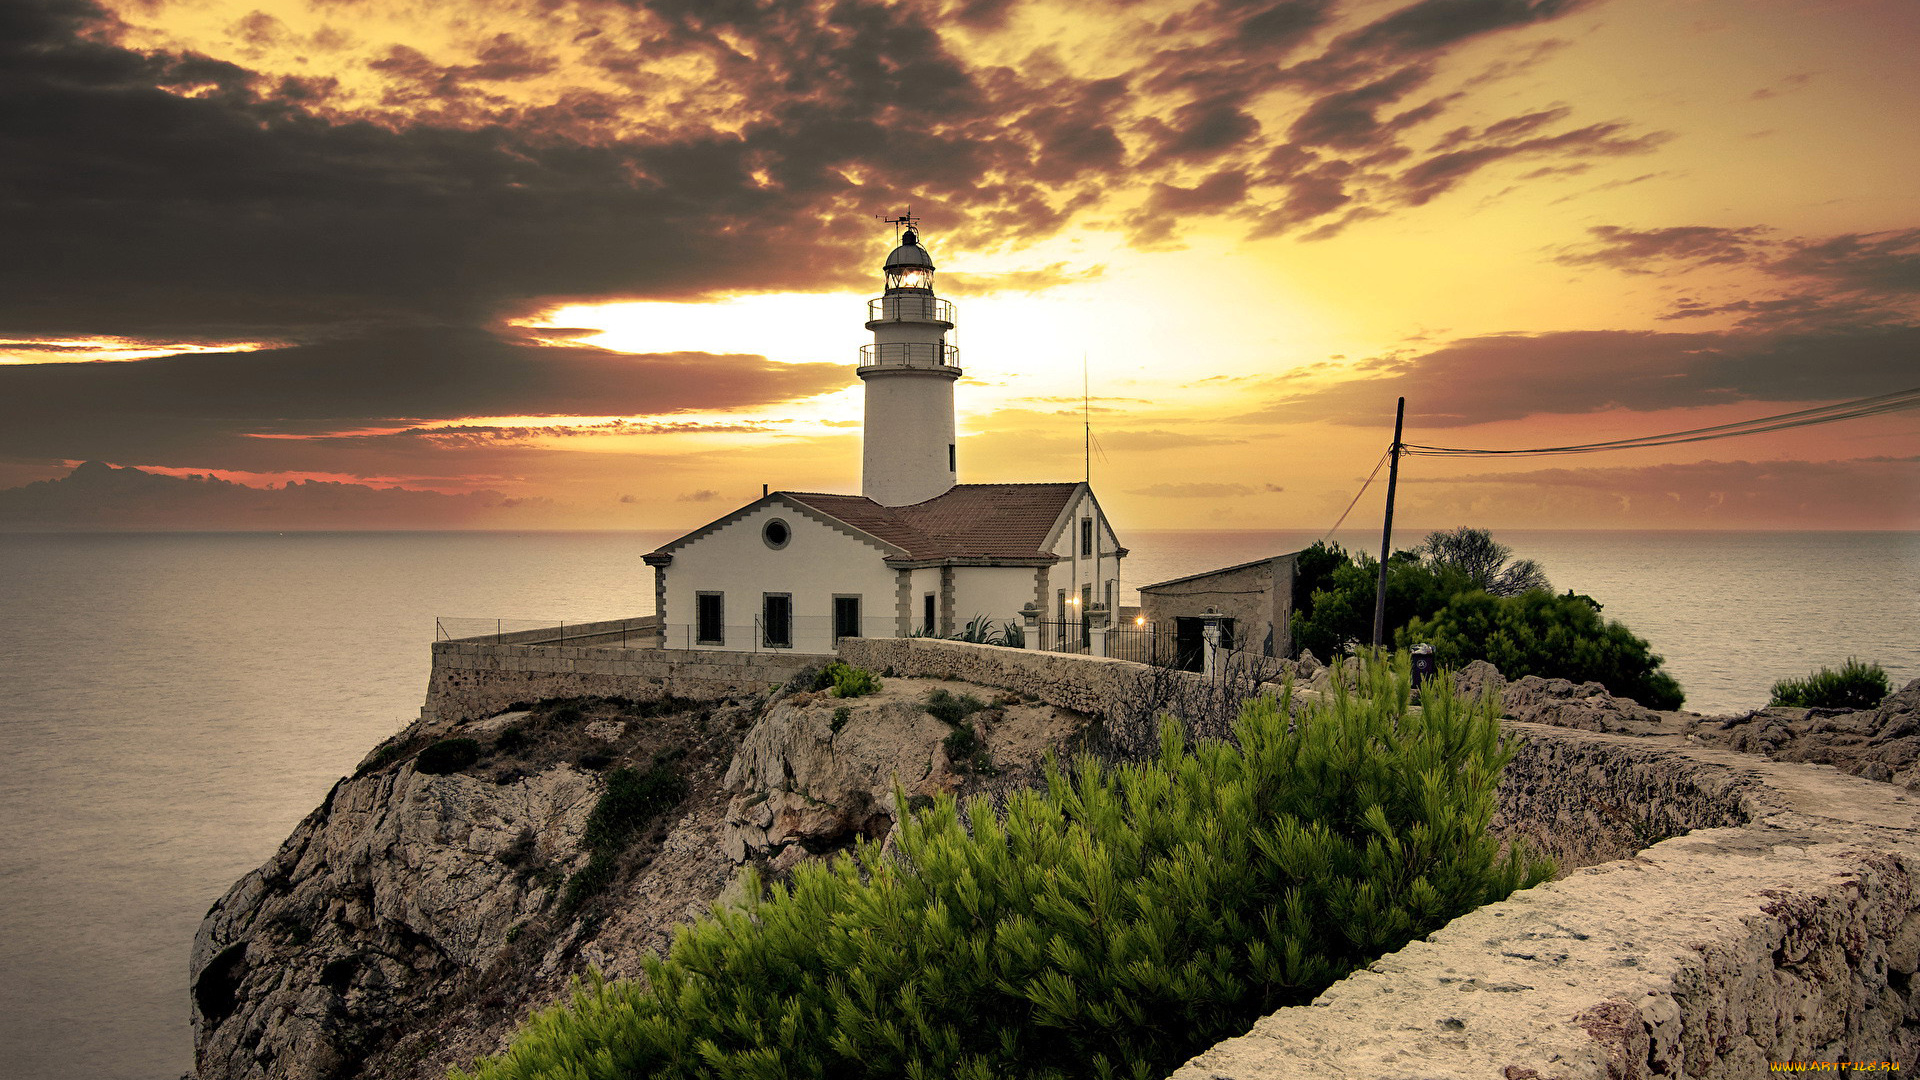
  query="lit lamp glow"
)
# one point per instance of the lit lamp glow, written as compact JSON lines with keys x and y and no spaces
{"x":910,"y":277}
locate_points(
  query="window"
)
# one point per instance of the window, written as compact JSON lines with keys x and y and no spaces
{"x":926,"y":616}
{"x":776,"y":534}
{"x":846,"y":617}
{"x":951,"y":466}
{"x":710,"y":618}
{"x":1086,"y":537}
{"x":776,"y":620}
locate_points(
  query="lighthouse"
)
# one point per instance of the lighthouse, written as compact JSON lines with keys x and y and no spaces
{"x":908,"y":455}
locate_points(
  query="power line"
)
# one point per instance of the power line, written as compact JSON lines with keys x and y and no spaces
{"x":1356,"y":495}
{"x":1824,"y":414}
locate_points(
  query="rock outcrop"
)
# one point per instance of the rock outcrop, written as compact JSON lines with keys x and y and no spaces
{"x":818,"y":772}
{"x":410,"y":921}
{"x":414,"y":920}
{"x":1882,"y":743}
{"x":1586,"y":706}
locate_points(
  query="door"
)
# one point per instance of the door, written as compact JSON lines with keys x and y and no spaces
{"x":1189,"y":644}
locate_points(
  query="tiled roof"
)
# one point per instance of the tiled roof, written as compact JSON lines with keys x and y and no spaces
{"x":1007,"y":521}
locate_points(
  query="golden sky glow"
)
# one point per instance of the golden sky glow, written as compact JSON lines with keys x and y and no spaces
{"x":610,"y":262}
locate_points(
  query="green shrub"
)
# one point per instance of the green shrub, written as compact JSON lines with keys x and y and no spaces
{"x":949,"y":708}
{"x":511,"y":741}
{"x":846,"y":680}
{"x":631,"y":801}
{"x":1538,"y":633}
{"x":447,"y":756}
{"x":1111,"y":925}
{"x":840,"y":717}
{"x":1341,"y":609}
{"x":967,"y":753}
{"x":1854,"y":686}
{"x":961,"y":743}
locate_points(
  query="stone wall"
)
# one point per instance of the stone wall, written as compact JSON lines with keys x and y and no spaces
{"x":1086,"y":684}
{"x":1715,"y":912}
{"x":472,"y":678}
{"x":1785,"y":927}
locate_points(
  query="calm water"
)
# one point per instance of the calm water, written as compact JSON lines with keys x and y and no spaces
{"x":171,"y":705}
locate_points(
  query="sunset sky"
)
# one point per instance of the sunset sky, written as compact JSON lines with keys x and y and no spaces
{"x":576,"y":264}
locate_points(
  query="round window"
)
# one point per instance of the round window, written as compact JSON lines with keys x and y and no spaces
{"x":776,"y":534}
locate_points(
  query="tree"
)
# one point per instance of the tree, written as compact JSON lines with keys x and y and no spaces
{"x":1538,"y":633}
{"x":1340,"y":609}
{"x":1486,"y":562}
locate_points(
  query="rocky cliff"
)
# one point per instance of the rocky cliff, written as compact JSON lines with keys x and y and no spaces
{"x":470,"y":869}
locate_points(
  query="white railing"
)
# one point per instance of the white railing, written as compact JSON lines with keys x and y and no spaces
{"x":909,"y":309}
{"x":920,"y":354}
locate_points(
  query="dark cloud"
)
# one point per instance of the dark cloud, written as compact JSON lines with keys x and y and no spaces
{"x":1422,"y":182}
{"x":175,"y":195}
{"x":1435,"y":24}
{"x":1848,"y":280}
{"x":1887,"y":262}
{"x":1347,"y":119}
{"x":1511,"y":376}
{"x":1862,"y":493}
{"x":1153,"y":223}
{"x":141,"y":410}
{"x":1646,"y":250}
{"x":98,"y":496}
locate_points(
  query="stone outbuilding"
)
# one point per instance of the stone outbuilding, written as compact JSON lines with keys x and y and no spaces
{"x":1254,"y":600}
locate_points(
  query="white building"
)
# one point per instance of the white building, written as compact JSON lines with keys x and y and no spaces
{"x":914,"y":552}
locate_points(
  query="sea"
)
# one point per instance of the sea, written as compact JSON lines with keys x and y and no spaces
{"x":172,"y":704}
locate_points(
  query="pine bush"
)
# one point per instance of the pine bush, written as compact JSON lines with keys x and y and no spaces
{"x":845,"y":680}
{"x":1855,"y":686}
{"x":1111,"y":925}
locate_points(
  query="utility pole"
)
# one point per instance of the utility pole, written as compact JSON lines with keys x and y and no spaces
{"x":1386,"y":532}
{"x":1086,"y":419}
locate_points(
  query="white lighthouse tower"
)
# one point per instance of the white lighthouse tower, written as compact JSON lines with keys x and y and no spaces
{"x":909,"y":371}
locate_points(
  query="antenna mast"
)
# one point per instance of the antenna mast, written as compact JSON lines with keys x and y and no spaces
{"x":1086,"y":419}
{"x":902,"y":224}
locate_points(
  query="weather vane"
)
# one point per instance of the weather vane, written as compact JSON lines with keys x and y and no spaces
{"x":902,"y":223}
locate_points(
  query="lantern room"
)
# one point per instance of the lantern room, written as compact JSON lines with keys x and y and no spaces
{"x":909,"y":268}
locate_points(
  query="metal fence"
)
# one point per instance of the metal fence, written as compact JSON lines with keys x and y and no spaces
{"x":798,"y":633}
{"x":1143,"y":643}
{"x":1065,"y":636}
{"x":640,"y":632}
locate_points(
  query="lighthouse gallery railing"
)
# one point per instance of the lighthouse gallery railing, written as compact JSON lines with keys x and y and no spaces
{"x":909,"y":308}
{"x":910,"y":354}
